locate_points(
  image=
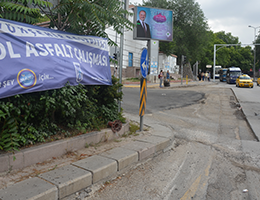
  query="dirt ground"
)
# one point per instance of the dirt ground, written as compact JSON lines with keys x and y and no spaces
{"x":14,"y":176}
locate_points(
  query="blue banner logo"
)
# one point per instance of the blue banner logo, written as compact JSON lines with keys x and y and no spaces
{"x":26,"y":78}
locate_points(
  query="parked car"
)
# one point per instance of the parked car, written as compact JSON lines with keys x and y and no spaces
{"x":244,"y":81}
{"x":258,"y":81}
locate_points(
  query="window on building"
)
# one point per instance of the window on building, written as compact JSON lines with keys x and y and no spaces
{"x":130,"y":59}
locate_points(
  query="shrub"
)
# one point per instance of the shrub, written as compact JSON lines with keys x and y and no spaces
{"x":31,"y":118}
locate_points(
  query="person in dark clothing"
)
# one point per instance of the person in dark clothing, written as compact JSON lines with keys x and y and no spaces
{"x":199,"y":76}
{"x":143,"y":29}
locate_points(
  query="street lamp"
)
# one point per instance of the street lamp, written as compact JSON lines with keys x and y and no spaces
{"x":254,"y":49}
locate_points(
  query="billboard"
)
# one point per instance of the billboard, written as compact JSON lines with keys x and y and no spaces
{"x":153,"y":23}
{"x":34,"y":59}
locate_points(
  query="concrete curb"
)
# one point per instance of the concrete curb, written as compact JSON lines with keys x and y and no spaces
{"x":44,"y":152}
{"x":173,"y":85}
{"x":65,"y":181}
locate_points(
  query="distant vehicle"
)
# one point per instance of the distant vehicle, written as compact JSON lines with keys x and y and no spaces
{"x":217,"y":69}
{"x":223,"y":74}
{"x":232,"y":74}
{"x":244,"y":81}
{"x":258,"y":81}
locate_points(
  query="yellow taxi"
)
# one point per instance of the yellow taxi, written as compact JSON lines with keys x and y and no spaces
{"x":244,"y":81}
{"x":258,"y":81}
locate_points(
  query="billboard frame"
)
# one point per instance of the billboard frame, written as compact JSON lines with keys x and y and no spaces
{"x":153,"y":24}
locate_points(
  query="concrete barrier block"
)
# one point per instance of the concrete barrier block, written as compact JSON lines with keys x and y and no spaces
{"x":34,"y":188}
{"x":4,"y":160}
{"x":124,"y":157}
{"x":69,"y":179}
{"x":76,"y":143}
{"x":44,"y":152}
{"x":93,"y":138}
{"x":160,"y":142}
{"x":125,"y":129}
{"x":144,"y":149}
{"x":107,"y":135}
{"x":99,"y":166}
{"x":18,"y":161}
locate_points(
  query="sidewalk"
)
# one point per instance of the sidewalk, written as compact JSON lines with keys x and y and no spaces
{"x":173,"y":83}
{"x":73,"y":180}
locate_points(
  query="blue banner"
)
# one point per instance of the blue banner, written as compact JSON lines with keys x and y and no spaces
{"x":34,"y":59}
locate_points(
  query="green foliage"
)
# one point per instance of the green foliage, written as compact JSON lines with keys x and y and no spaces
{"x":74,"y":16}
{"x":8,"y":132}
{"x":227,"y":56}
{"x":227,"y":38}
{"x":90,"y":17}
{"x":133,"y":79}
{"x":133,"y":127}
{"x":31,"y":118}
{"x":19,"y":10}
{"x":190,"y":28}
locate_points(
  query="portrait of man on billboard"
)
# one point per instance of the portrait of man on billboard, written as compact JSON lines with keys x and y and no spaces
{"x":143,"y":29}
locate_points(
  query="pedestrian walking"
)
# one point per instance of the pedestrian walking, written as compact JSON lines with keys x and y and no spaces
{"x":203,"y":76}
{"x":209,"y":76}
{"x":199,"y":76}
{"x":168,"y":76}
{"x":161,"y":78}
{"x":206,"y":76}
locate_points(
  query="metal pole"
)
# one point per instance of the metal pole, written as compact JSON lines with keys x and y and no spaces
{"x":254,"y":55}
{"x":141,"y":123}
{"x":141,"y":117}
{"x":121,"y":61}
{"x":254,"y":48}
{"x":254,"y":63}
{"x":197,"y":68}
{"x":115,"y":68}
{"x":214,"y":63}
{"x":181,"y":72}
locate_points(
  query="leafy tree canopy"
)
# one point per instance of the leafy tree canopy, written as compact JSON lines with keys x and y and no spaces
{"x":227,"y":56}
{"x":227,"y":38}
{"x":189,"y":31}
{"x":83,"y":17}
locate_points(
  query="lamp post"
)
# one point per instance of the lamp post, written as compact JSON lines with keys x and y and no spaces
{"x":254,"y":48}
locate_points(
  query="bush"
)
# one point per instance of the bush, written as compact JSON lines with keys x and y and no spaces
{"x":31,"y":118}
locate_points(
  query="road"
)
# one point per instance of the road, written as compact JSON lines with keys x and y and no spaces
{"x":205,"y":161}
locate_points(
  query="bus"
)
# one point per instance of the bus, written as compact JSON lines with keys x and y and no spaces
{"x":232,"y":74}
{"x":223,"y":74}
{"x":217,"y":69}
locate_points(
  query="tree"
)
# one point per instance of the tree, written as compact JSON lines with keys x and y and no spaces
{"x":19,"y":10}
{"x":83,"y":17}
{"x":227,"y":37}
{"x":189,"y":31}
{"x":226,"y":56}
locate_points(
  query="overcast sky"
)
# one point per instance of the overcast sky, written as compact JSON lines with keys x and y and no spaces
{"x":231,"y":16}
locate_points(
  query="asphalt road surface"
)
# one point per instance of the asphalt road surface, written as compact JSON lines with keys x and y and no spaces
{"x":206,"y":159}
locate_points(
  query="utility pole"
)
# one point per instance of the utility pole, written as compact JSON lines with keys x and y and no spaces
{"x":254,"y":48}
{"x":121,"y":59}
{"x":183,"y":61}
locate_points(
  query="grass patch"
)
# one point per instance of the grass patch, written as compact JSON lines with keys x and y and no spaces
{"x":133,"y":79}
{"x":133,"y":127}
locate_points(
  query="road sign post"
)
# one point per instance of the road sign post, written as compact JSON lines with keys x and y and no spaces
{"x":143,"y":98}
{"x":143,"y":85}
